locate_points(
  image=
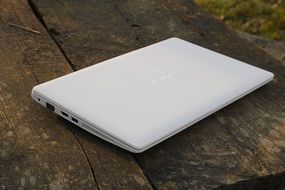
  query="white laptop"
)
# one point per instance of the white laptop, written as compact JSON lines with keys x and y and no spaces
{"x":141,"y":98}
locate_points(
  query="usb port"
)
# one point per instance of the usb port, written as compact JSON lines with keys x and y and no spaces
{"x":73,"y":119}
{"x":64,"y":114}
{"x":49,"y":106}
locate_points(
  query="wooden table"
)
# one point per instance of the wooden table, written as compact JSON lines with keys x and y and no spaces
{"x":241,"y":146}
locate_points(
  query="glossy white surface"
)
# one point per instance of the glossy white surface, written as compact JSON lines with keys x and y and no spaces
{"x":147,"y":95}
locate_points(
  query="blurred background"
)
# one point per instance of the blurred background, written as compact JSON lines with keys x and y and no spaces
{"x":259,"y":21}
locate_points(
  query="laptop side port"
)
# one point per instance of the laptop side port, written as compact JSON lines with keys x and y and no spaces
{"x":64,"y":114}
{"x":49,"y":106}
{"x":74,"y":120}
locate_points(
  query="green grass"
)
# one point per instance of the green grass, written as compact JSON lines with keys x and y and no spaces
{"x":261,"y":17}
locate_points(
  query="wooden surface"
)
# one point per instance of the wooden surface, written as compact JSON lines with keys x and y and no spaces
{"x":241,"y":146}
{"x":38,"y":148}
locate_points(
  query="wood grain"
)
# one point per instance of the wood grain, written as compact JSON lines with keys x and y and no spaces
{"x":243,"y":141}
{"x":38,"y":150}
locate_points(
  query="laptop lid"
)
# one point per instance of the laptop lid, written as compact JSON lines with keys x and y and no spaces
{"x":148,"y":95}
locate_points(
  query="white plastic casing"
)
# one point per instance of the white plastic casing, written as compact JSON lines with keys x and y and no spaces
{"x":139,"y":99}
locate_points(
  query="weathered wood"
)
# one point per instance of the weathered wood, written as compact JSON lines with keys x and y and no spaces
{"x":38,"y":149}
{"x":112,"y":167}
{"x":242,"y":141}
{"x":274,"y":182}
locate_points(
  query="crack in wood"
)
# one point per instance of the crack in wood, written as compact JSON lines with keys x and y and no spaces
{"x":40,"y":18}
{"x":88,"y":160}
{"x":53,"y":33}
{"x":269,"y":182}
{"x":147,"y":177}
